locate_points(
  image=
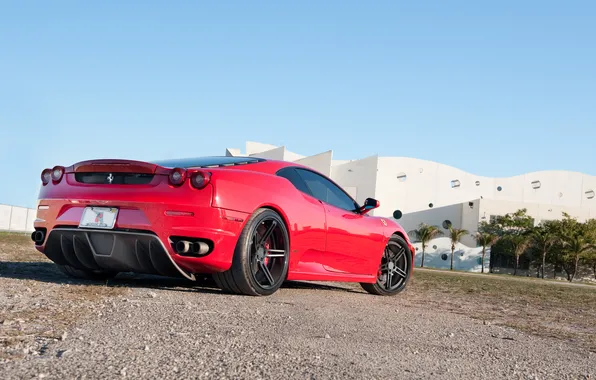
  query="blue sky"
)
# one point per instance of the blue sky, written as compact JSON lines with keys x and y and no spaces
{"x":494,"y":88}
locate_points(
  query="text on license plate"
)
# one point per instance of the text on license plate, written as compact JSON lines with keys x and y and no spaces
{"x":99,"y":217}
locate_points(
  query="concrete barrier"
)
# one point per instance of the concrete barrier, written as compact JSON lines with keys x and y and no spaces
{"x":17,"y":219}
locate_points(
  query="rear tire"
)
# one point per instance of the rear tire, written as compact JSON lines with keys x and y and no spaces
{"x":84,"y":274}
{"x":261,"y":257}
{"x":395,"y":269}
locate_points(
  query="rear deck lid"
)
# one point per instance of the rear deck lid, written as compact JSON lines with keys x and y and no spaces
{"x":110,"y":171}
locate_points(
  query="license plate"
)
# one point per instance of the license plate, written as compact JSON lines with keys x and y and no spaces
{"x":99,"y":217}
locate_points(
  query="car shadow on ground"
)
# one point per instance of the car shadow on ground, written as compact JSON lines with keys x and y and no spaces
{"x":48,"y":272}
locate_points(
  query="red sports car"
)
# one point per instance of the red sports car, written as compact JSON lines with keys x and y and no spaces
{"x":251,"y":223}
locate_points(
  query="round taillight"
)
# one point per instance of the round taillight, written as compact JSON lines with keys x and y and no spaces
{"x":200,"y":179}
{"x":177,"y":176}
{"x":46,"y":176}
{"x":57,"y":173}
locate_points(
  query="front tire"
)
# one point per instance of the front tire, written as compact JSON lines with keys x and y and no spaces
{"x":261,"y":258}
{"x":84,"y":274}
{"x":395,"y":269}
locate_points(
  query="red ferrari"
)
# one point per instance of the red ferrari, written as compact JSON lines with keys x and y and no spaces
{"x":251,"y":223}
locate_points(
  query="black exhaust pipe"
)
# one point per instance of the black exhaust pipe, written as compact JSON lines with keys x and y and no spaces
{"x":38,"y":237}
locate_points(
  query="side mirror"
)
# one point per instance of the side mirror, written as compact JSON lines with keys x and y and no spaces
{"x":397,"y":214}
{"x":369,"y":204}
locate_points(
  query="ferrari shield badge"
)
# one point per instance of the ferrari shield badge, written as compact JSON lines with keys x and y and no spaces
{"x":384,"y":222}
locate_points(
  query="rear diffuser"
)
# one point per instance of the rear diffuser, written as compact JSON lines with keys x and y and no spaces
{"x":109,"y":250}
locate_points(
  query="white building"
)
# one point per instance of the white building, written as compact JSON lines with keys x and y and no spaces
{"x":431,"y":192}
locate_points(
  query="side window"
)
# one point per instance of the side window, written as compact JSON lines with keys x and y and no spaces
{"x":291,"y":175}
{"x":327,"y":191}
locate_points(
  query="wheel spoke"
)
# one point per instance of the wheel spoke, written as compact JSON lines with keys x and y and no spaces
{"x":267,"y":233}
{"x":400,"y":254}
{"x":388,"y":283}
{"x":401,"y":272}
{"x":266,"y":272}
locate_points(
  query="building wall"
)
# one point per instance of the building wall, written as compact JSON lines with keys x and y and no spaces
{"x":413,"y":185}
{"x":539,"y":212}
{"x":320,"y":162}
{"x":436,"y":216}
{"x":358,"y":178}
{"x":17,"y":219}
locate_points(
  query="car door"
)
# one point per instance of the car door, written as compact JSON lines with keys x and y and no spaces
{"x":353,"y":239}
{"x":308,"y":227}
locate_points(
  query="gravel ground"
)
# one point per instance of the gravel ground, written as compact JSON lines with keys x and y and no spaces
{"x":166,"y":329}
{"x":148,"y":327}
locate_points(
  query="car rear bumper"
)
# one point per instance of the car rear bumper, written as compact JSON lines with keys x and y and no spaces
{"x":116,"y":251}
{"x":143,"y":238}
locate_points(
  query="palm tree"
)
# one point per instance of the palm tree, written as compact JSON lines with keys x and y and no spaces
{"x":520,"y":244}
{"x":543,"y":241}
{"x":424,"y":234}
{"x":576,"y":247}
{"x":485,"y":239}
{"x":455,"y":234}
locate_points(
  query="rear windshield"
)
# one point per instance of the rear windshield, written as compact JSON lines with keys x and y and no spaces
{"x":207,"y":162}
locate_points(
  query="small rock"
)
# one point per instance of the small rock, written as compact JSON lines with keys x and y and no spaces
{"x":146,"y":348}
{"x":64,"y":336}
{"x":152,"y":294}
{"x":451,"y":335}
{"x":63,"y":353}
{"x":327,"y":336}
{"x":486,"y":323}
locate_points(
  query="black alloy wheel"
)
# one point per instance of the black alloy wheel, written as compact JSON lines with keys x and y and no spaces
{"x":261,"y":258}
{"x":395,"y":269}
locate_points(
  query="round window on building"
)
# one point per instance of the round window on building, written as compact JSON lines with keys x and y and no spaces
{"x":447,"y":224}
{"x":444,"y":257}
{"x":430,"y":205}
{"x":477,"y":183}
{"x":434,"y":247}
{"x":499,"y":188}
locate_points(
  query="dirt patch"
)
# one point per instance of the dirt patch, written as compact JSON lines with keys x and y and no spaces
{"x":542,"y":308}
{"x":38,"y":303}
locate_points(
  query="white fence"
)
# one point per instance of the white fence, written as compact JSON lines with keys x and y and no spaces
{"x":17,"y":219}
